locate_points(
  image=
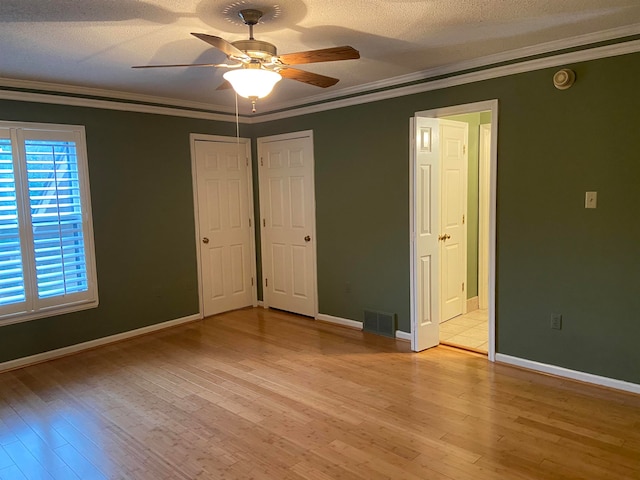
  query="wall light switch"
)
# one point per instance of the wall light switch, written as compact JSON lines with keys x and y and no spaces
{"x":590,"y":199}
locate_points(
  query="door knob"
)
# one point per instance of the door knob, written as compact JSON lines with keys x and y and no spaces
{"x":307,"y":238}
{"x":447,"y":236}
{"x":205,"y":240}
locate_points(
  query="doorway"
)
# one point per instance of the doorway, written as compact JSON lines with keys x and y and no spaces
{"x":287,"y":211}
{"x":426,"y":204}
{"x":469,"y":329}
{"x":223,"y":202}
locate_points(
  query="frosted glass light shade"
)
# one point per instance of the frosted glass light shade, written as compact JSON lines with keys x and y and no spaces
{"x":252,"y":82}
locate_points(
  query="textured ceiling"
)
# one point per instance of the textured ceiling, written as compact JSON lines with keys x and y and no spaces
{"x":93,"y":43}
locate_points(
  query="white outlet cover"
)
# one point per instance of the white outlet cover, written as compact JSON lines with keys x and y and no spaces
{"x":590,"y":199}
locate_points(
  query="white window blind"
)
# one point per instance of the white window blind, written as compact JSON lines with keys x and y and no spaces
{"x":46,"y":242}
{"x":11,"y":274}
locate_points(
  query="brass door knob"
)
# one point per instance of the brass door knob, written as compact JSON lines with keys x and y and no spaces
{"x":307,"y":238}
{"x":205,"y":240}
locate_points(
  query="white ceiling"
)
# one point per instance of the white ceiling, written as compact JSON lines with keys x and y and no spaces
{"x":93,"y":43}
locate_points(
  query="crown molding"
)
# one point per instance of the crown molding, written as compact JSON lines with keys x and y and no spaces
{"x":454,"y":80}
{"x":381,"y":90}
{"x":115,"y":105}
{"x":495,"y":59}
{"x":111,"y":95}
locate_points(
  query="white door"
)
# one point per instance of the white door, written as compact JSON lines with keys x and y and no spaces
{"x":224,"y":209}
{"x":425,"y":189}
{"x":287,"y":204}
{"x":453,"y":232}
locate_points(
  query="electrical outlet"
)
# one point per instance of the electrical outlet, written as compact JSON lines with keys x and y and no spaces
{"x":556,"y":321}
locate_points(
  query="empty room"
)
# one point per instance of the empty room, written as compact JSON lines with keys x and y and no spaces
{"x":319,"y":240}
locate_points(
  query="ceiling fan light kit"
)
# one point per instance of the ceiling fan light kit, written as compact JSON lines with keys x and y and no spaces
{"x":258,"y":67}
{"x":252,"y":83}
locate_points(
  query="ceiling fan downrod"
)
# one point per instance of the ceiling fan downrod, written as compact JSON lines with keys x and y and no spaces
{"x":250,"y":17}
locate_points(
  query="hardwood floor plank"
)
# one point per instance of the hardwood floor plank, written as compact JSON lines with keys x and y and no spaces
{"x":12,"y":473}
{"x":80,"y":465}
{"x":26,"y":462}
{"x":5,"y":460}
{"x":267,"y":395}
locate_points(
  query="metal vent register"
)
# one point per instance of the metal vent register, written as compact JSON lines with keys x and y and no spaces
{"x":381,"y":323}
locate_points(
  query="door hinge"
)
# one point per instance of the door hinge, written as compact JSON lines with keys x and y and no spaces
{"x":463,"y":219}
{"x":247,"y":161}
{"x":464,"y":149}
{"x":261,"y":162}
{"x":252,"y":281}
{"x":463,"y":286}
{"x":249,"y":222}
{"x":266,"y":282}
{"x":264,"y":222}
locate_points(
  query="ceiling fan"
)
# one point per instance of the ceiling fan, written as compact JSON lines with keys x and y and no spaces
{"x":257,"y":67}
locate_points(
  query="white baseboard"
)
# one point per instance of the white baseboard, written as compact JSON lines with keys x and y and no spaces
{"x":62,"y":352}
{"x":403,"y":336}
{"x":567,"y":373}
{"x":345,"y":322}
{"x":261,"y":303}
{"x":473,"y":304}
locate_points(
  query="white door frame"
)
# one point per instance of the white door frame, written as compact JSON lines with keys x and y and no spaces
{"x":243,"y":143}
{"x":275,"y":138}
{"x":484,"y":174}
{"x":491,"y":105}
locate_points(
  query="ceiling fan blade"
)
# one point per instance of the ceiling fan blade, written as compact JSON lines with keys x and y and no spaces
{"x":308,"y":77}
{"x":323,"y":55}
{"x":222,"y":45}
{"x":183,"y":65}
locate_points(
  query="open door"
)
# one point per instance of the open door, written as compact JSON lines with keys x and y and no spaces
{"x":223,"y":200}
{"x":426,"y":218}
{"x":287,"y":206}
{"x":425,"y":261}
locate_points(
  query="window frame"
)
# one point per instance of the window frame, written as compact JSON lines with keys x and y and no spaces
{"x":34,"y":307}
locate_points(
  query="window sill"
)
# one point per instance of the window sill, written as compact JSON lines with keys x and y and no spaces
{"x":19,"y":317}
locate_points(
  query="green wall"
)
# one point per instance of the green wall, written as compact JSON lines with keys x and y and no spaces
{"x":552,"y":254}
{"x":142,"y":201}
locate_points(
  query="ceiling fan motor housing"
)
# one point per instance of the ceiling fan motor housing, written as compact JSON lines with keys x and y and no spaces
{"x":256,"y":48}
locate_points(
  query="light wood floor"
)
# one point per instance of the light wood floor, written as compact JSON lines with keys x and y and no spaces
{"x":266,"y":395}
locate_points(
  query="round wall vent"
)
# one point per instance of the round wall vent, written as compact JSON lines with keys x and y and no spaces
{"x":564,"y":78}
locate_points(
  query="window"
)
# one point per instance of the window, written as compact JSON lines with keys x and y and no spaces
{"x":47,"y":261}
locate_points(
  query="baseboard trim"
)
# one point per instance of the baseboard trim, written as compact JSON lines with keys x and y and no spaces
{"x":79,"y":347}
{"x":403,"y":336}
{"x":345,"y":322}
{"x":473,"y":304}
{"x":567,"y":373}
{"x":261,"y":304}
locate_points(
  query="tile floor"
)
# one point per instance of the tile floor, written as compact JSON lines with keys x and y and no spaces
{"x":467,"y":331}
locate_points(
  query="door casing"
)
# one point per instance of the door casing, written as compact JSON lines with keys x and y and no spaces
{"x":489,"y":105}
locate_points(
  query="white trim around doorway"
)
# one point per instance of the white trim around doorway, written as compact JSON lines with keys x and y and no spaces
{"x":492,"y":106}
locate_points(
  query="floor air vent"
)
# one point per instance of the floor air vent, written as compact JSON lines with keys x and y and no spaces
{"x":381,"y":323}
